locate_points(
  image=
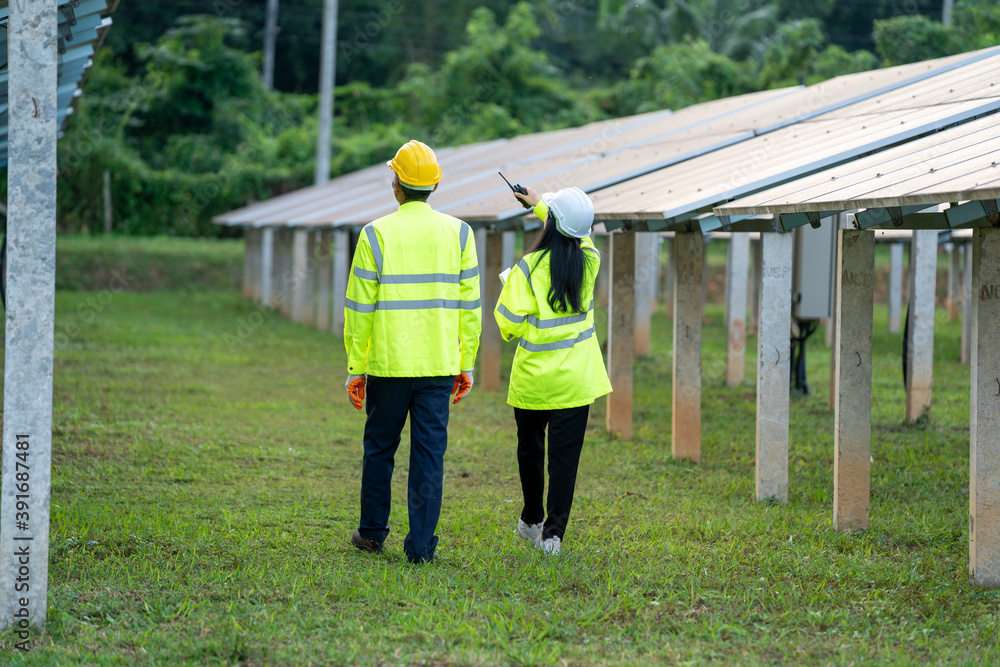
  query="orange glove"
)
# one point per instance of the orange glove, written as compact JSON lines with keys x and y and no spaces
{"x":356,"y":390}
{"x":463,"y":385}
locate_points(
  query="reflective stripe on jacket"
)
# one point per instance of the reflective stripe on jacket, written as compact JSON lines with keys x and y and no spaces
{"x":413,"y":306}
{"x":558,"y":362}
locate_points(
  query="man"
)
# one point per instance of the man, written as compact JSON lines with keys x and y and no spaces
{"x":412,"y":326}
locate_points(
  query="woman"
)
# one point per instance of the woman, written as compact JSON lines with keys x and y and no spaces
{"x":548,"y":303}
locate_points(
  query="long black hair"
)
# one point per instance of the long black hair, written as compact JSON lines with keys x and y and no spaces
{"x":567,"y":263}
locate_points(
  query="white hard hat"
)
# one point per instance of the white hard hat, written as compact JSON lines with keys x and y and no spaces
{"x":573,"y":211}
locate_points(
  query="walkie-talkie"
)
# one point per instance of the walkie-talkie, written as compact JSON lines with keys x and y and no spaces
{"x":519,"y":189}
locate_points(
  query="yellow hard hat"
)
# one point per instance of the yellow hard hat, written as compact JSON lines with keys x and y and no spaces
{"x":416,"y":165}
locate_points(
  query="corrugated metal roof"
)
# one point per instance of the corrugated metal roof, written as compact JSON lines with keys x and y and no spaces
{"x":82,"y":26}
{"x":678,"y":194}
{"x":957,"y":164}
{"x":599,"y":155}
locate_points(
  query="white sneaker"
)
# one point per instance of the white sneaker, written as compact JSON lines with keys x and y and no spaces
{"x":529,"y":531}
{"x":551,"y":545}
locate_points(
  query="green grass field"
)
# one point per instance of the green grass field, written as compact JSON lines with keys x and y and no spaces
{"x":205,"y":481}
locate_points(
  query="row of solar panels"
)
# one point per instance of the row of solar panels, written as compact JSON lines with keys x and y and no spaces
{"x":82,"y":26}
{"x":668,"y":170}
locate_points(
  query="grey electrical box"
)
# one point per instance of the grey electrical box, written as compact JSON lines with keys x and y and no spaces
{"x":813,"y":270}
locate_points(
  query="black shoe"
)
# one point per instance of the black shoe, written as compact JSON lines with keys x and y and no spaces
{"x":366,"y":545}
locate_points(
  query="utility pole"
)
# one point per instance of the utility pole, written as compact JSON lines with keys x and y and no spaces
{"x":327,"y":76}
{"x":30,"y":342}
{"x":270,"y":37}
{"x":341,"y":239}
{"x":946,"y":11}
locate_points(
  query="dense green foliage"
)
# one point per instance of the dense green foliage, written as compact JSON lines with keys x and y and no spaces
{"x":187,"y":129}
{"x":204,"y":488}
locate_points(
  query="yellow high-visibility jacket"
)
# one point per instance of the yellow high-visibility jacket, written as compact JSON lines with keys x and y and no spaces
{"x":413,"y":307}
{"x":558,"y":362}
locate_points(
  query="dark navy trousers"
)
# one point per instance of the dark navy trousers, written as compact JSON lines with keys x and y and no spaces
{"x":388,"y":401}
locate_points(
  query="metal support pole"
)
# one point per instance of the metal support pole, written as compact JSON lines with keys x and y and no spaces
{"x":270,"y":37}
{"x":29,"y":344}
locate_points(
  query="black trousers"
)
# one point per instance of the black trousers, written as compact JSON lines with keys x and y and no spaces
{"x":567,"y":428}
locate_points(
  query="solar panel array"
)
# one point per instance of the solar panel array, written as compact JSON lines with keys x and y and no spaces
{"x":82,"y":26}
{"x":666,"y":170}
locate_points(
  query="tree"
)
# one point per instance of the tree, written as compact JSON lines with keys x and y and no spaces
{"x":495,"y":86}
{"x":909,"y":39}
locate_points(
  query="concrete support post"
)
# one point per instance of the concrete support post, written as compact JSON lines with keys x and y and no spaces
{"x":737,"y":268}
{"x":248,"y":248}
{"x":954,"y":282}
{"x":646,"y":274}
{"x":984,"y":436}
{"x":670,"y":277}
{"x":342,"y":256}
{"x":267,"y":266}
{"x":920,"y":347}
{"x":481,"y":255}
{"x":602,"y":287}
{"x":531,"y":236}
{"x":288,"y":272}
{"x":489,"y":341}
{"x":655,"y":262}
{"x":895,"y":287}
{"x":773,"y":366}
{"x":300,"y":257}
{"x":853,"y":354}
{"x":258,"y":275}
{"x":277,"y":268}
{"x":307,"y":279}
{"x":832,"y":326}
{"x":967,"y":304}
{"x":30,"y":343}
{"x":324,"y":279}
{"x":689,"y":307}
{"x":507,"y":255}
{"x":756,"y":263}
{"x":621,"y":332}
